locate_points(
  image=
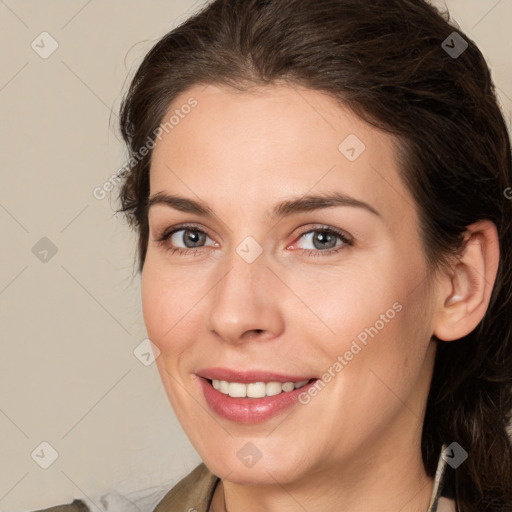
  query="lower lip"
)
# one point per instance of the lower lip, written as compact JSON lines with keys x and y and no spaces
{"x":250,"y":410}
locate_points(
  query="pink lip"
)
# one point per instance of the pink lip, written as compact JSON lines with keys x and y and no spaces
{"x":248,"y":410}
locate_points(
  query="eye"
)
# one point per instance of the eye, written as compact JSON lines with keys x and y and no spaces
{"x":183,"y":239}
{"x":187,"y":239}
{"x":325,"y":240}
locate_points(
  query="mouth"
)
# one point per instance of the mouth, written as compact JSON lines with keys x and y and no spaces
{"x":251,"y":397}
{"x":255,"y":389}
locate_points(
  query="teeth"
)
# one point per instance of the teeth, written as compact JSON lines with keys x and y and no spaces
{"x":288,"y":386}
{"x":274,"y":388}
{"x":255,"y":389}
{"x":237,"y":390}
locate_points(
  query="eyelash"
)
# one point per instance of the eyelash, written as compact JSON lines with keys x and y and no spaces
{"x":347,"y":241}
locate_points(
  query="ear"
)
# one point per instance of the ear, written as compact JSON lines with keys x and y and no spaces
{"x":465,"y":290}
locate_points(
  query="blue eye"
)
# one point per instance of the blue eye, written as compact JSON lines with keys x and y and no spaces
{"x":325,"y":241}
{"x":189,"y":234}
{"x":192,"y":236}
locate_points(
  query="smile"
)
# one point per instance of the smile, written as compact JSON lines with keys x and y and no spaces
{"x":255,"y":389}
{"x":250,"y":397}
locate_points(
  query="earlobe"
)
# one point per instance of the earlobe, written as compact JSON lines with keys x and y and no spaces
{"x":470,"y":282}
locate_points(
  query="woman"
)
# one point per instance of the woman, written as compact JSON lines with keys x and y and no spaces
{"x":320,"y":193}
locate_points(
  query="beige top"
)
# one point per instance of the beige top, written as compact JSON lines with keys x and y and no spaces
{"x":194,"y":493}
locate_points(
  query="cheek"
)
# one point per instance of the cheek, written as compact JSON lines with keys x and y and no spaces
{"x":391,"y":367}
{"x":173,"y":304}
{"x":163,"y":304}
{"x":350,"y":303}
{"x":378,"y":319}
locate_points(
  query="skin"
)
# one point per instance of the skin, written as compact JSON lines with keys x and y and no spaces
{"x":357,"y":442}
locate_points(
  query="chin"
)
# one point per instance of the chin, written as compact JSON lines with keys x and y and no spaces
{"x":265,"y":471}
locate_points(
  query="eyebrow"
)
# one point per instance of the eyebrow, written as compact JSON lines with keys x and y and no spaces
{"x":284,"y":209}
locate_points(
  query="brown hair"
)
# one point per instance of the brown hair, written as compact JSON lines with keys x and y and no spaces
{"x":384,"y":59}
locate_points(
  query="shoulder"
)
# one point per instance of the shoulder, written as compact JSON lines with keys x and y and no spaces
{"x":194,"y":491}
{"x":75,"y":506}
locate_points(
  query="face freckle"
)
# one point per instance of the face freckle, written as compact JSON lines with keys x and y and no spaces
{"x":251,"y":298}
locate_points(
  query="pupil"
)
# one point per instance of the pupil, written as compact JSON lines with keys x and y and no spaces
{"x":323,"y":237}
{"x":193,"y":234}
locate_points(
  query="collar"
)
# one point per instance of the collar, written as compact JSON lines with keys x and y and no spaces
{"x":438,"y":501}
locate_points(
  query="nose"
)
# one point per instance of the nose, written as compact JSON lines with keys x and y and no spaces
{"x":246,"y":303}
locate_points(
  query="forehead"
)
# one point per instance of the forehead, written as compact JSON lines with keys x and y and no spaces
{"x":254,"y":148}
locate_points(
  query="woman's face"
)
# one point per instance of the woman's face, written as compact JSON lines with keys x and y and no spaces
{"x":304,"y":262}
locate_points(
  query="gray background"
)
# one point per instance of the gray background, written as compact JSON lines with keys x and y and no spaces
{"x":70,"y":321}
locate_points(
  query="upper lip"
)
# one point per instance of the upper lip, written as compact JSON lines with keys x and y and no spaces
{"x":248,"y":376}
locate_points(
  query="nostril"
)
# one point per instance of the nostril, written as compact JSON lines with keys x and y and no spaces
{"x":254,"y":331}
